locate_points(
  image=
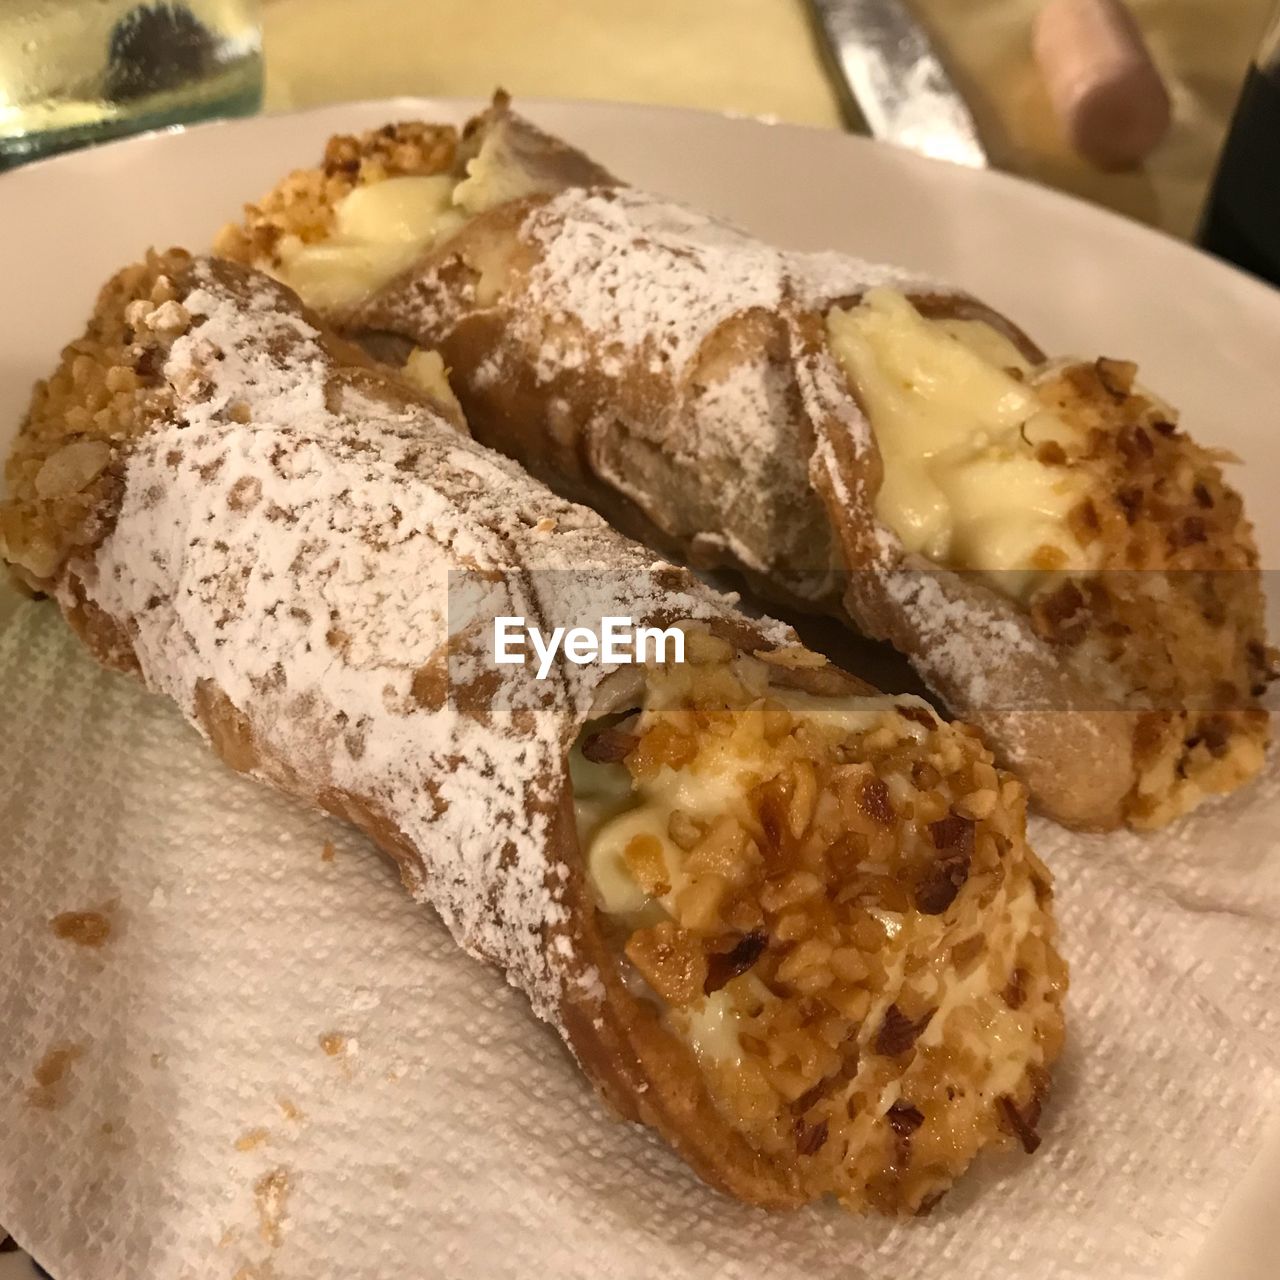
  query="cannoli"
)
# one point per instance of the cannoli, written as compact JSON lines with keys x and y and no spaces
{"x":791,"y":924}
{"x":1061,"y":563}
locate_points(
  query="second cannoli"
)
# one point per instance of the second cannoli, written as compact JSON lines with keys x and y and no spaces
{"x":1059,"y":560}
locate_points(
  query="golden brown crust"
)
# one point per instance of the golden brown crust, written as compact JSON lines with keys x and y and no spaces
{"x":63,"y":474}
{"x":1177,"y":562}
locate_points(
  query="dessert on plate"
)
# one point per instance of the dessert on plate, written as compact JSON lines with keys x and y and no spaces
{"x":1062,"y":563}
{"x":790,"y":923}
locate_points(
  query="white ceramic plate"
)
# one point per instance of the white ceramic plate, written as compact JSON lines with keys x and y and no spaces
{"x":1077,"y":278}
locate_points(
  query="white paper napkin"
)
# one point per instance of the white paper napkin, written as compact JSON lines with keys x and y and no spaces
{"x":276,"y":1067}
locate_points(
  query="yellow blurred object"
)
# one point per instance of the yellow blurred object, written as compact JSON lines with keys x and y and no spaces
{"x":758,"y":57}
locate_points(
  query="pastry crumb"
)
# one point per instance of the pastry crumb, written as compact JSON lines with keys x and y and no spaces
{"x":334,"y":1043}
{"x":271,"y":1192}
{"x":48,"y":1093}
{"x":83,"y":928}
{"x":251,"y":1139}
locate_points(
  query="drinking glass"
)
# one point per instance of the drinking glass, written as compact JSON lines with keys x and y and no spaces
{"x":74,"y":72}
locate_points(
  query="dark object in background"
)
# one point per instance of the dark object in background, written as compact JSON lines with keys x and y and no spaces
{"x":161,"y":46}
{"x":1241,"y":220}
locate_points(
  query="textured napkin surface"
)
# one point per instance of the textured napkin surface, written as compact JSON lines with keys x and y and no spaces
{"x":275,"y":1067}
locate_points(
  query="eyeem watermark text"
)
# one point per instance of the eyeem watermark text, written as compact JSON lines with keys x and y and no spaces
{"x":618,"y":640}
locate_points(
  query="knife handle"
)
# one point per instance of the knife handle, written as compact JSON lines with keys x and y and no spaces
{"x":1105,"y":89}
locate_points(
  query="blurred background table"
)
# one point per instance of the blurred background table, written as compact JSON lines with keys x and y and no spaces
{"x":758,"y":57}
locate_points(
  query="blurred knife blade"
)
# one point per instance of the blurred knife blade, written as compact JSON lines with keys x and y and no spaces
{"x":887,"y":65}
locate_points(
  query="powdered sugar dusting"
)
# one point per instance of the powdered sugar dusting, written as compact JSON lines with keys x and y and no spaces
{"x":688,"y":363}
{"x":248,"y":370}
{"x":642,"y":273}
{"x":960,"y":646}
{"x":301,"y":562}
{"x":820,"y":279}
{"x":645,"y":274}
{"x":666,"y":342}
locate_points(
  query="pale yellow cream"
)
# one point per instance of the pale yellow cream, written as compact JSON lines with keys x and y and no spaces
{"x":494,"y":176}
{"x":382,"y":228}
{"x":712,"y":1029}
{"x":425,"y":369}
{"x":984,"y":341}
{"x":957,"y":433}
{"x":427,"y":372}
{"x":379,"y":231}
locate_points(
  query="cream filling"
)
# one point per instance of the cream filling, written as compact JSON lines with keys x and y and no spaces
{"x":712,"y":1028}
{"x":379,"y":230}
{"x":426,"y":371}
{"x":957,"y":434}
{"x":985,"y":342}
{"x":612,"y":810}
{"x":382,"y":228}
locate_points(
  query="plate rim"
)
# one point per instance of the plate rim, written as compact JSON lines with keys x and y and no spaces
{"x":1026,"y":188}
